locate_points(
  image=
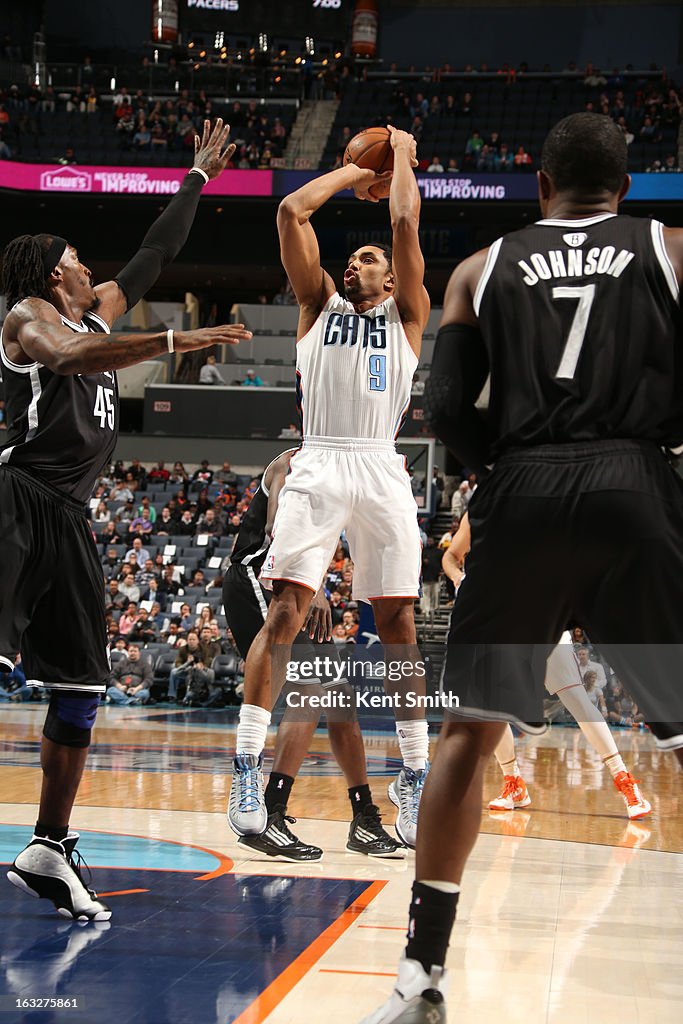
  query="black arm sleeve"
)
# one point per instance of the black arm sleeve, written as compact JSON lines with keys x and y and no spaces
{"x":460,"y":367}
{"x":163,"y":241}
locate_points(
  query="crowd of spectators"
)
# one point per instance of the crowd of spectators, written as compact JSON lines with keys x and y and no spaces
{"x":144,"y":124}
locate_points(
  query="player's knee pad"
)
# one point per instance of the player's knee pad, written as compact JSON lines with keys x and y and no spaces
{"x":70,"y":719}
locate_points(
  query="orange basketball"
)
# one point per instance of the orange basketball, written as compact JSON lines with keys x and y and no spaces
{"x":372,"y":148}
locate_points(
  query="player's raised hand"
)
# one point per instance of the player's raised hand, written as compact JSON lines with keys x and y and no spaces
{"x":403,"y":140}
{"x":226,"y":334}
{"x":364,"y":181}
{"x":211,"y":152}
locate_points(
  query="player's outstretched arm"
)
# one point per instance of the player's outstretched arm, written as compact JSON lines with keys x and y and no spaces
{"x":407,"y":259}
{"x":298,"y":243}
{"x":169,"y":232}
{"x":37,"y":327}
{"x":459,"y":370}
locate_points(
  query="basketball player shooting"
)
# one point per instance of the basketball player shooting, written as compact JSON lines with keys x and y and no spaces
{"x":577,"y":319}
{"x":356,"y":356}
{"x":58,"y":362}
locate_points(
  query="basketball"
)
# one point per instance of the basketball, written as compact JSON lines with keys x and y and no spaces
{"x":372,"y":149}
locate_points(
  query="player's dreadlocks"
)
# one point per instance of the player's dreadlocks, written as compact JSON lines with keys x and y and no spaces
{"x":23,"y":268}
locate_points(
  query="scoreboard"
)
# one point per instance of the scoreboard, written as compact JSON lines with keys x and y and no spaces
{"x":290,"y":18}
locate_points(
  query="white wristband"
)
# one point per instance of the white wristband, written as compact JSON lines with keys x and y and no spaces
{"x":169,"y":339}
{"x":204,"y":175}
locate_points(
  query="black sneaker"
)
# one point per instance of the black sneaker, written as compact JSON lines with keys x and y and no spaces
{"x":279,"y":841}
{"x":367,"y":836}
{"x":51,"y":870}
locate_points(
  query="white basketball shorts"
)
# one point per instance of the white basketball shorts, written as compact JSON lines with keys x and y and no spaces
{"x":360,"y":486}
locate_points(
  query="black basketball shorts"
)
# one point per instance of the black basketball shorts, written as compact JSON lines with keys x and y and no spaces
{"x":590,"y":534}
{"x":51,"y":587}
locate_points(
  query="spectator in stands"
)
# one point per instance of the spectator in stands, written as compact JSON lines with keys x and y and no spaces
{"x":186,"y":524}
{"x":209,"y":373}
{"x":141,"y":553}
{"x":131,"y":679}
{"x":503,"y":160}
{"x":210,"y":645}
{"x":144,"y":631}
{"x":210,"y":523}
{"x":350,"y":624}
{"x":76,"y":101}
{"x":435,"y":167}
{"x":168,"y":588}
{"x":649,"y":131}
{"x":189,"y":656}
{"x":128,"y":618}
{"x":187,"y":618}
{"x":431,"y":572}
{"x":459,"y":501}
{"x":91,"y":101}
{"x":203,"y":476}
{"x":165,"y":524}
{"x":522,"y":159}
{"x":593,"y":77}
{"x":142,"y":525}
{"x":142,"y":136}
{"x":110,"y":534}
{"x":225,"y":475}
{"x":159,"y":474}
{"x":198,"y":579}
{"x":145,"y":503}
{"x":452,"y":167}
{"x":485,"y":159}
{"x":179,"y":474}
{"x":670,"y":165}
{"x":233,"y":524}
{"x":121,"y":492}
{"x":594,"y":692}
{"x":158,"y":618}
{"x":101,"y":514}
{"x":587,"y":665}
{"x":114,"y":599}
{"x":447,"y":536}
{"x":473,"y":148}
{"x":252,"y":379}
{"x":144,"y":577}
{"x":48,"y":103}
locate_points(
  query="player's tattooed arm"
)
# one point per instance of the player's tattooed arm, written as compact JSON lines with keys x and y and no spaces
{"x":407,"y":259}
{"x":40,"y":337}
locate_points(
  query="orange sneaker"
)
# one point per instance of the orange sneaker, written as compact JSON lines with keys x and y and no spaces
{"x":513,"y":794}
{"x":636,"y":804}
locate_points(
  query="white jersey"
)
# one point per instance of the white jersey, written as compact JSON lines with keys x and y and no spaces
{"x":354,"y":372}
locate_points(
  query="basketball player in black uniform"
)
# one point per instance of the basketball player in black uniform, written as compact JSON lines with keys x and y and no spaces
{"x":58,"y":364}
{"x":577,"y":320}
{"x":246,"y":605}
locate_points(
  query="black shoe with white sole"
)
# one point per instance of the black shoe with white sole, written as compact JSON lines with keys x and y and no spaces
{"x":52,"y":870}
{"x":367,"y":836}
{"x":279,"y":841}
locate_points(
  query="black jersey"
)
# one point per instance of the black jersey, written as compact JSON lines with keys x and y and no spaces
{"x":583,"y":328}
{"x":251,"y":543}
{"x":61,"y":429}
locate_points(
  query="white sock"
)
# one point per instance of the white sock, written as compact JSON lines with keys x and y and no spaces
{"x":413,"y":739}
{"x":505,"y":751}
{"x":510,"y":767}
{"x":252,"y":729}
{"x":441,"y":886}
{"x":615,"y":764}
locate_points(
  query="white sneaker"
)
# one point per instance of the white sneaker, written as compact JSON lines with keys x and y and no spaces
{"x":52,"y":870}
{"x":405,"y":792}
{"x":247,"y":814}
{"x":513,"y":794}
{"x":418,"y":997}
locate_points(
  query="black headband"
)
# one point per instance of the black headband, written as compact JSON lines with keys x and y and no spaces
{"x":53,"y":254}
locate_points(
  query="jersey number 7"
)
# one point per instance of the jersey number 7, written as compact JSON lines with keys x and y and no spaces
{"x":577,"y":332}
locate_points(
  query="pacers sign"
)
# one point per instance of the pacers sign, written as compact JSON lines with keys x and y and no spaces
{"x":214,"y":5}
